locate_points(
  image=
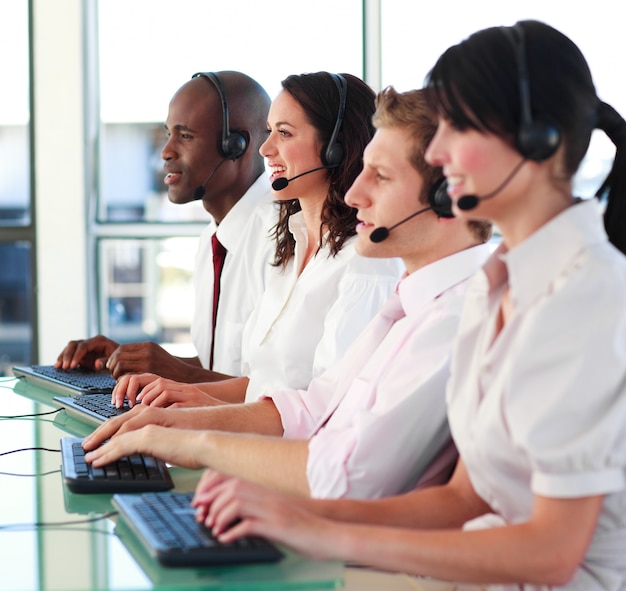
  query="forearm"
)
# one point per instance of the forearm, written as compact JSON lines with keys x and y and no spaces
{"x":510,"y":554}
{"x":436,"y":507}
{"x":260,"y":417}
{"x":274,"y":462}
{"x":191,"y":371}
{"x":228,"y":389}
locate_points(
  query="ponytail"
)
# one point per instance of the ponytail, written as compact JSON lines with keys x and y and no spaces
{"x":614,"y":125}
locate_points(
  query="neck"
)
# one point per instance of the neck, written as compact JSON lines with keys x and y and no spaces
{"x":524,"y":219}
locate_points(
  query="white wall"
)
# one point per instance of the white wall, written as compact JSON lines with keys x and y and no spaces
{"x":59,"y":165}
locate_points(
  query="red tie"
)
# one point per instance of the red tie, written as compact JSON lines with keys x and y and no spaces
{"x":219,"y":254}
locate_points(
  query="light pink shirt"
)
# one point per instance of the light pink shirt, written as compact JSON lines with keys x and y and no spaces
{"x":376,"y":419}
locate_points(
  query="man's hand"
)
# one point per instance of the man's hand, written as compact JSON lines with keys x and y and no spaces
{"x":92,"y":353}
{"x":102,"y":353}
{"x":149,"y":357}
{"x":181,"y":447}
{"x":138,"y":417}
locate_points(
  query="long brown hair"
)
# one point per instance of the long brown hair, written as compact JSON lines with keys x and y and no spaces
{"x":318,"y":96}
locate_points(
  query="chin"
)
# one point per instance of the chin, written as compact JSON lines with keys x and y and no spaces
{"x":179,"y":199}
{"x":366,"y":248}
{"x":283,"y":195}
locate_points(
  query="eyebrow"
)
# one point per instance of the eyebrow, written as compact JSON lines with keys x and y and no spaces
{"x":180,"y":127}
{"x":378,"y":166}
{"x":283,"y":123}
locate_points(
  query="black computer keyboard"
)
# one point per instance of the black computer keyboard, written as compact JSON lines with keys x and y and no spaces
{"x":165,"y":524}
{"x":80,"y":379}
{"x":92,"y":406}
{"x":134,"y":473}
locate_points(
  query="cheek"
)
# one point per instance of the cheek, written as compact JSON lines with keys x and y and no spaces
{"x":301,"y":155}
{"x":474,"y":160}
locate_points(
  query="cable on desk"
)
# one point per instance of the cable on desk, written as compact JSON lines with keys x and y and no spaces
{"x":30,"y":475}
{"x":25,"y":526}
{"x":37,"y":414}
{"x":6,"y":453}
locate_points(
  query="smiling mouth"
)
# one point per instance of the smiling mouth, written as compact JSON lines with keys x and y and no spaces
{"x":171,"y":177}
{"x":277,"y":171}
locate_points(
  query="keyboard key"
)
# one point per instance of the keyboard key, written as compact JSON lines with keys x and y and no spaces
{"x":86,"y":379}
{"x":128,"y":474}
{"x":166,"y":525}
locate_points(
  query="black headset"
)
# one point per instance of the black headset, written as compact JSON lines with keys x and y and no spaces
{"x":233,"y":144}
{"x":332,"y":153}
{"x":439,"y":200}
{"x":535,"y":140}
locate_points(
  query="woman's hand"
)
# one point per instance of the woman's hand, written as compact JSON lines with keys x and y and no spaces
{"x":234,"y":508}
{"x":152,"y":390}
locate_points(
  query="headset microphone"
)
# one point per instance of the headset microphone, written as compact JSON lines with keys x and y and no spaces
{"x":438,"y":202}
{"x":233,"y":143}
{"x":200,"y":191}
{"x":469,"y":202}
{"x":281,"y":183}
{"x":382,"y":233}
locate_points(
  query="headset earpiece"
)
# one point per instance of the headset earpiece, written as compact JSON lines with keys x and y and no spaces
{"x":233,"y":143}
{"x":534,"y":140}
{"x":439,"y":200}
{"x":332,"y":153}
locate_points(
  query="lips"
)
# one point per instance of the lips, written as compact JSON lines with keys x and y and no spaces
{"x":171,"y":177}
{"x":362,"y":226}
{"x":276,"y":171}
{"x":454,"y":184}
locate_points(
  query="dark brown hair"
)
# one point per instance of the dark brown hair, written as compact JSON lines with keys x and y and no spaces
{"x":318,"y":96}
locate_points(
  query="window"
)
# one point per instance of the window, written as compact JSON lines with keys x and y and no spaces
{"x":16,"y":233}
{"x":413,"y":35}
{"x":145,"y":245}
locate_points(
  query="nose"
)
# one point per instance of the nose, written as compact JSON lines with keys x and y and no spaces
{"x":356,"y":195}
{"x":168,"y":152}
{"x":435,"y":153}
{"x":267,"y":148}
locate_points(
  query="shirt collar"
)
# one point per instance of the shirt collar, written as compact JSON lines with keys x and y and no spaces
{"x":532,"y":266}
{"x":229,"y":231}
{"x":428,"y":283}
{"x":297,"y":227}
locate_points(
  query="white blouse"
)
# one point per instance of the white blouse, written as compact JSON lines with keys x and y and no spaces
{"x":540,"y":409}
{"x":303,"y":323}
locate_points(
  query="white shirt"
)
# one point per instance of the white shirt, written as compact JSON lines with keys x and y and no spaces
{"x":305,"y":322}
{"x":376,"y":420}
{"x":541,"y":408}
{"x":245,"y":233}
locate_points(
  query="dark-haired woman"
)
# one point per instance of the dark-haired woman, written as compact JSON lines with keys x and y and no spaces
{"x":323,"y":293}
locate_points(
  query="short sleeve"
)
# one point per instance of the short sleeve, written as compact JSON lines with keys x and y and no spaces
{"x":567,"y":405}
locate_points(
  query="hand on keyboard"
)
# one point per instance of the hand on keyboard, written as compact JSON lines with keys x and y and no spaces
{"x":133,"y":473}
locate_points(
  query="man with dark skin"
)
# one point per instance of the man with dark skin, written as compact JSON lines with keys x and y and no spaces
{"x":235,"y":191}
